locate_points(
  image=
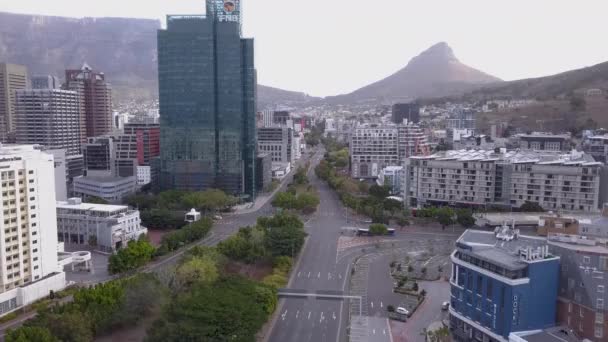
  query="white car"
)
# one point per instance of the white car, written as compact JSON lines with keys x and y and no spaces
{"x":217,"y":217}
{"x":403,"y":311}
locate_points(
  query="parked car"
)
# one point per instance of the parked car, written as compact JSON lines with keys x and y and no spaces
{"x":445,"y":306}
{"x":217,"y":217}
{"x":403,"y":311}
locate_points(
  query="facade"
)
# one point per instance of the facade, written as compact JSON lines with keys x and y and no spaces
{"x":96,"y":95}
{"x":207,"y":95}
{"x":412,"y":141}
{"x":501,"y":283}
{"x":405,"y":111}
{"x":51,"y":118}
{"x":280,"y":117}
{"x":278,"y":141}
{"x":373,"y":148}
{"x":462,"y":119}
{"x":391,"y":176}
{"x":148,"y":140}
{"x":545,"y":142}
{"x":583,"y":287}
{"x":108,"y":188}
{"x":144,"y":175}
{"x":111,"y":155}
{"x":505,"y":179}
{"x":267,"y":118}
{"x":107,"y":227}
{"x":28,"y":238}
{"x":45,"y":82}
{"x":263,"y":172}
{"x":597,"y":146}
{"x":12,"y":78}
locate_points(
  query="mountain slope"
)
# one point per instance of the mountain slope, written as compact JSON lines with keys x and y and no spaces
{"x":124,"y":49}
{"x":435,"y":72}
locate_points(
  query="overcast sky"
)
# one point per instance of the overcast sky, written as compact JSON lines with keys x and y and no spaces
{"x":330,"y":47}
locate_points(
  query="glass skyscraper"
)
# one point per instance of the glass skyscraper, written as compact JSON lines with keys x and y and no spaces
{"x":207,"y":89}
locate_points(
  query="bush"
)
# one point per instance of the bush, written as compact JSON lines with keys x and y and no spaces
{"x":378,"y":229}
{"x":8,"y":317}
{"x":190,"y":233}
{"x":136,"y":254}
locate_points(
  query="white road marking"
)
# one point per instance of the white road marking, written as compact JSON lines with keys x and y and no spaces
{"x":372,"y":305}
{"x":339,"y":276}
{"x":299,"y":274}
{"x":309,"y":314}
{"x":284,"y":314}
{"x":297,"y":313}
{"x":308,"y":274}
{"x":322,"y":318}
{"x":334,"y":315}
{"x":384,"y":331}
{"x":374,"y":331}
{"x":319,"y":275}
{"x":381,"y":305}
{"x":328,"y":276}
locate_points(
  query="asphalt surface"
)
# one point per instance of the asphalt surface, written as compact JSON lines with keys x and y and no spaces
{"x":316,"y":319}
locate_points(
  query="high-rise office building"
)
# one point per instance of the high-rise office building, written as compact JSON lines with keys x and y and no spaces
{"x":207,"y":92}
{"x":49,"y":117}
{"x":12,"y":77}
{"x":29,"y":265}
{"x":406,"y":111}
{"x":96,"y":95}
{"x":45,"y":82}
{"x":148,"y":140}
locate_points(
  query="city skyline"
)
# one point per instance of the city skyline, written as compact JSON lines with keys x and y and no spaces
{"x":539,"y":45}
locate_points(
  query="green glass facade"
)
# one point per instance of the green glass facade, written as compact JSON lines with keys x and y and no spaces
{"x":207,"y":84}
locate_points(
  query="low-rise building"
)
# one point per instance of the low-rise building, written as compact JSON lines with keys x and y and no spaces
{"x":583,"y":286}
{"x":390,"y":176}
{"x":108,"y":188}
{"x":555,"y":181}
{"x":541,"y":141}
{"x":597,"y":146}
{"x":106,"y":227}
{"x":502,"y":282}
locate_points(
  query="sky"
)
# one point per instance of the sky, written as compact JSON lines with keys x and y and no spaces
{"x":326,"y":47}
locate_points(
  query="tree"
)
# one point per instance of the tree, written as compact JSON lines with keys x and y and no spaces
{"x":96,"y":200}
{"x":307,"y":201}
{"x":465,"y":218}
{"x":284,"y":200}
{"x":30,"y":334}
{"x":136,"y":254}
{"x":378,"y":229}
{"x":531,"y":207}
{"x":402,"y":221}
{"x":392,"y":205}
{"x":284,"y":241}
{"x":196,"y":270}
{"x":379,"y":192}
{"x":445,"y":217}
{"x":70,"y":326}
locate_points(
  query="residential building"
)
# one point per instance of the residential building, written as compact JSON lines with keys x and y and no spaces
{"x":45,"y":82}
{"x":583,"y":287}
{"x":540,"y":141}
{"x":502,"y":282}
{"x":96,"y":94}
{"x":373,"y":148}
{"x":280,"y":117}
{"x":29,"y":266}
{"x":51,"y":118}
{"x":278,"y":141}
{"x":390,"y":176}
{"x":62,"y":179}
{"x":109,"y":188}
{"x":405,"y":111}
{"x":412,"y":141}
{"x":103,"y":226}
{"x":568,"y":181}
{"x":148,"y":140}
{"x":462,"y":119}
{"x":597,"y":146}
{"x":111,"y":155}
{"x":208,"y":137}
{"x":263,"y":172}
{"x":13,"y":77}
{"x":144,"y":175}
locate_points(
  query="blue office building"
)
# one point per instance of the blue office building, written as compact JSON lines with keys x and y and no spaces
{"x":501,"y":283}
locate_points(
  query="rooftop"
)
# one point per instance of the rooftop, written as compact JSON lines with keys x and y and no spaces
{"x":514,"y":156}
{"x":556,"y":334}
{"x":503,"y":247}
{"x":105,"y":179}
{"x":78,"y":205}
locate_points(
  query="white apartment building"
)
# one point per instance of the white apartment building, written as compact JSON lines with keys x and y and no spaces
{"x":412,"y":141}
{"x":29,"y":266}
{"x":108,"y":227}
{"x":373,"y":148}
{"x":568,"y":181}
{"x":144,"y":175}
{"x":111,"y":189}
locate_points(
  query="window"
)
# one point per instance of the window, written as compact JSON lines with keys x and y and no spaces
{"x":599,"y":303}
{"x":599,"y":331}
{"x":600,"y":288}
{"x":586,"y":260}
{"x":599,"y":318}
{"x":581,"y":312}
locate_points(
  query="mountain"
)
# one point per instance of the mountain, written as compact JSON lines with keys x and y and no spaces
{"x":435,"y":72}
{"x":123,"y":48}
{"x":543,"y":88}
{"x":271,"y":97}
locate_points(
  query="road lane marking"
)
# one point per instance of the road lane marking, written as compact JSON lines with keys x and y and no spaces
{"x":374,"y":331}
{"x":319,"y":275}
{"x":308,"y":274}
{"x":322,"y":318}
{"x":383,"y":331}
{"x":309,"y":314}
{"x":328,"y":276}
{"x":372,"y":305}
{"x":334,"y":315}
{"x":339,"y":276}
{"x":381,"y":305}
{"x":284,"y":314}
{"x":297,"y":313}
{"x":299,"y":274}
